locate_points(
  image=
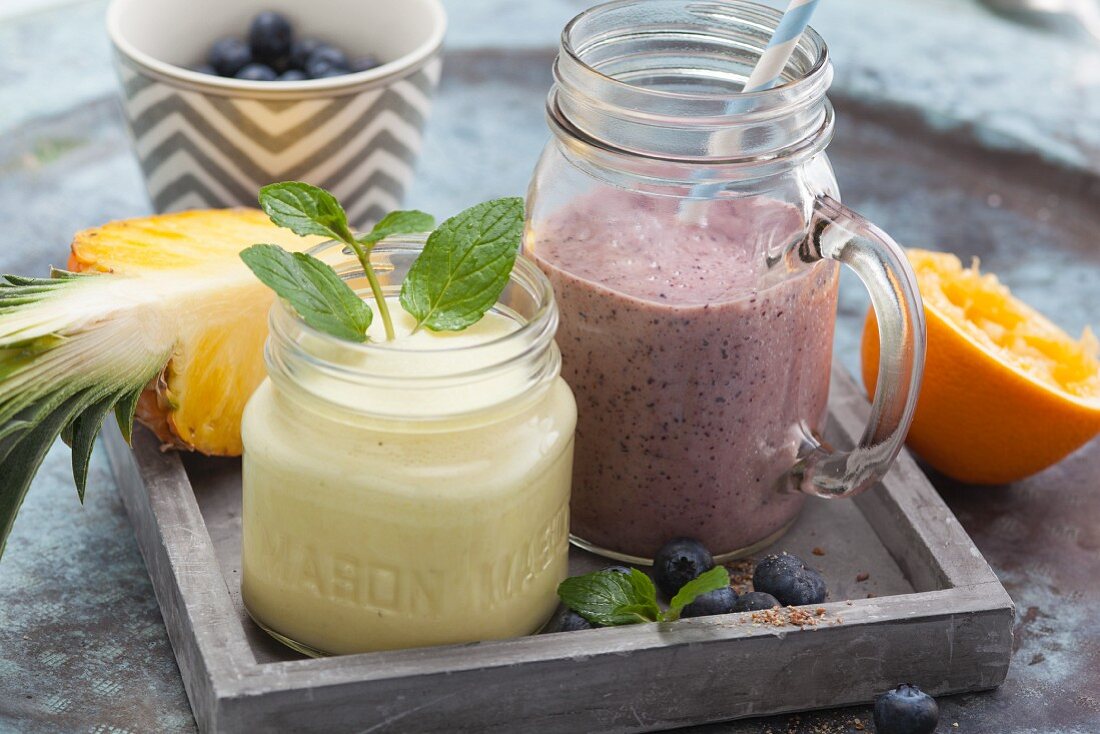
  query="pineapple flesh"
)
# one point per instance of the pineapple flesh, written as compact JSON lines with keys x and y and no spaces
{"x":218,"y":312}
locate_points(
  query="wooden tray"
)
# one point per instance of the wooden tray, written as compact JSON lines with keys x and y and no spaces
{"x":938,"y":617}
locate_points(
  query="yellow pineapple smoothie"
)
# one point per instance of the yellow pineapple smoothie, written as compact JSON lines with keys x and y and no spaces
{"x":409,"y":493}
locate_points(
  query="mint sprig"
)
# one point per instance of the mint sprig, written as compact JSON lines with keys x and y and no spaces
{"x":308,"y":210}
{"x":612,"y":598}
{"x":456,"y":279}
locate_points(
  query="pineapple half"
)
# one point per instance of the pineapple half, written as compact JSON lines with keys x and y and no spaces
{"x":208,"y":303}
{"x":157,"y":317}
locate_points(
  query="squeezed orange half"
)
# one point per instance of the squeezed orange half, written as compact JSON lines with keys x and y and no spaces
{"x":1006,"y":392}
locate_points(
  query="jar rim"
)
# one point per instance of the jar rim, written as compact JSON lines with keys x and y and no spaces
{"x":524,"y":272}
{"x":772,"y":15}
{"x":661,"y":80}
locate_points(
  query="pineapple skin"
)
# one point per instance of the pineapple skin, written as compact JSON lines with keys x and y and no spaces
{"x":220,"y":315}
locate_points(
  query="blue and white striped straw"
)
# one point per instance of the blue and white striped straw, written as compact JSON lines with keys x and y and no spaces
{"x":770,"y":67}
{"x":768,"y":70}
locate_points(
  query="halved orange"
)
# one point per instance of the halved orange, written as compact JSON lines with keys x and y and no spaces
{"x":1006,"y":392}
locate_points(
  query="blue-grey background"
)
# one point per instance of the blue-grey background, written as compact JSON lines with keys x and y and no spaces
{"x":82,"y":645}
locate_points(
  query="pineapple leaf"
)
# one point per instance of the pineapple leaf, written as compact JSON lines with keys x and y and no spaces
{"x":82,"y":435}
{"x":24,"y":281}
{"x":67,"y":434}
{"x":10,"y":428}
{"x":22,"y":461}
{"x":126,"y":409}
{"x":71,"y":349}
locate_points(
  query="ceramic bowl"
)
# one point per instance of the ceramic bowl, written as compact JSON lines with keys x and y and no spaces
{"x":208,"y":141}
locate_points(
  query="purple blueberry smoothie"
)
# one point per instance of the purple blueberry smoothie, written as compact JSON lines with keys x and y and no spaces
{"x":693,"y":364}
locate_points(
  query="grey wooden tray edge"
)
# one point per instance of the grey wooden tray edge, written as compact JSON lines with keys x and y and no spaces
{"x":955,"y":587}
{"x":179,"y":555}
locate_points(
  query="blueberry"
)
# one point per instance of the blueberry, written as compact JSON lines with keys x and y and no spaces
{"x":789,"y":580}
{"x":330,"y":54}
{"x":906,"y":710}
{"x":257,"y":73}
{"x":293,"y":75}
{"x":300,"y":51}
{"x":205,"y":69}
{"x":719,"y":601}
{"x":331,"y":71}
{"x":571,"y":622}
{"x":365,"y":63}
{"x":678,"y":562}
{"x":324,"y":59}
{"x":618,"y":569}
{"x":270,"y":36}
{"x":229,"y":55}
{"x":755,"y":601}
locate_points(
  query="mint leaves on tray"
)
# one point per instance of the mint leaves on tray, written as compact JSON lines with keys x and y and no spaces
{"x":456,"y":279}
{"x":611,"y":598}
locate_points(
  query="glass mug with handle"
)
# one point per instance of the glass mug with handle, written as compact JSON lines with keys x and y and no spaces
{"x":693,"y":235}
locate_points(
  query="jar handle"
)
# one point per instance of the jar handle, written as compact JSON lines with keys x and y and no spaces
{"x":838,"y":233}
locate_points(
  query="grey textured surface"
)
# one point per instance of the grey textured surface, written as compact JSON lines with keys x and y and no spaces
{"x":81,"y":639}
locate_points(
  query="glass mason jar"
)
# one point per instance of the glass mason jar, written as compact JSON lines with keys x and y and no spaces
{"x":692,"y":234}
{"x":400,"y":497}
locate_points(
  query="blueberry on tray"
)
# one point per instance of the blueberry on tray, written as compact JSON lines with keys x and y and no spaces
{"x":678,"y":562}
{"x":755,"y":601}
{"x":719,"y":601}
{"x":572,"y":622}
{"x":789,"y":579}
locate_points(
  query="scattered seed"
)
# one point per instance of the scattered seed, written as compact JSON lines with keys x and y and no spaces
{"x":862,"y":576}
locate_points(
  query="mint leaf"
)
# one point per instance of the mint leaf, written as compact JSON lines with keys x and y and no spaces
{"x":714,"y":579}
{"x":317,"y":293}
{"x":611,"y":598}
{"x":464,"y":266}
{"x":400,"y":222}
{"x":643,"y":592}
{"x":639,"y":612}
{"x":305,"y":210}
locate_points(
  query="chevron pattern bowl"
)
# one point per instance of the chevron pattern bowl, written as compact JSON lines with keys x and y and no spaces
{"x":205,"y":141}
